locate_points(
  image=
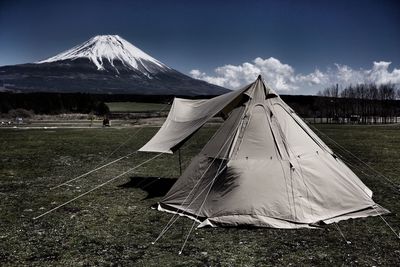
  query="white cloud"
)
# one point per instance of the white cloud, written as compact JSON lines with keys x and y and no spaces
{"x":380,"y":73}
{"x":282,"y":77}
{"x":314,"y":78}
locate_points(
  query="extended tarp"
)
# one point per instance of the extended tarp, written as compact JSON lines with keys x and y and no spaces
{"x":186,"y":117}
{"x":263,"y":167}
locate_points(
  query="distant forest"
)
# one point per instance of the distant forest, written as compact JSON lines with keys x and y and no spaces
{"x":364,"y":103}
{"x":368,"y":102}
{"x":58,"y":103}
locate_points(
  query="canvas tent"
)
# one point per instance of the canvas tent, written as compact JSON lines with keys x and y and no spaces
{"x":264,"y":166}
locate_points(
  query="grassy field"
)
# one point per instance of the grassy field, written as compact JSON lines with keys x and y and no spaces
{"x":137,"y":107}
{"x":115,"y":225}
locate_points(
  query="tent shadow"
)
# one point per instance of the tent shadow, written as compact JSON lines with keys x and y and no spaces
{"x":154,"y":186}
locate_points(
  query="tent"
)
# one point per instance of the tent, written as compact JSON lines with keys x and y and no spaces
{"x":263,"y":167}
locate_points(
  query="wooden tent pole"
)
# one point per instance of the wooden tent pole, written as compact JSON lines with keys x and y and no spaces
{"x":180,"y":162}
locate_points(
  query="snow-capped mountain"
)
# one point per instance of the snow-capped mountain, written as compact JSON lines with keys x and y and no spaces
{"x":111,"y":48}
{"x":103,"y":64}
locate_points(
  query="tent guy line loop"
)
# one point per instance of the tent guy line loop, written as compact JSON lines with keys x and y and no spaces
{"x":98,"y":186}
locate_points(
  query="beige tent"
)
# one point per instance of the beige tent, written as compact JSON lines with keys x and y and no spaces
{"x":263,"y":167}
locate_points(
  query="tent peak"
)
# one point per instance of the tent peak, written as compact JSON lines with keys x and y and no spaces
{"x":263,"y":167}
{"x":259,"y":85}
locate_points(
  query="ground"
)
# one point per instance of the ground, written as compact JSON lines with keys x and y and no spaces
{"x":115,"y":224}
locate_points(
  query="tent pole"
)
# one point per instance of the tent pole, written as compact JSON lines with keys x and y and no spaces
{"x":180,"y":162}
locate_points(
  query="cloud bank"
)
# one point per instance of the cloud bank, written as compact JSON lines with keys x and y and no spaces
{"x":283,"y":78}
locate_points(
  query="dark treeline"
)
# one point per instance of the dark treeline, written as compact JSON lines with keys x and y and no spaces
{"x":364,"y":103}
{"x":56,"y":103}
{"x":48,"y":103}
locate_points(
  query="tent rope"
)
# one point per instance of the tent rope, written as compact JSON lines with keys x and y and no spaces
{"x":383,"y":219}
{"x":120,"y":145}
{"x":390,"y":182}
{"x":97,"y":187}
{"x":96,"y":169}
{"x":343,"y":158}
{"x":355,"y":167}
{"x":395,"y":186}
{"x":341,"y":233}
{"x":218,"y":172}
{"x":390,"y":227}
{"x":98,"y":166}
{"x":176,"y":215}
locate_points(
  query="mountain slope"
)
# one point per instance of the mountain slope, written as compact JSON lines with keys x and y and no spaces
{"x":103,"y":64}
{"x":111,"y":48}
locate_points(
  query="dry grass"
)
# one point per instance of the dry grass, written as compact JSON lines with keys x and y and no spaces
{"x":115,"y":225}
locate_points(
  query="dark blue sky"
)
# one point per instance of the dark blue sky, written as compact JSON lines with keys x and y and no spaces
{"x":203,"y":35}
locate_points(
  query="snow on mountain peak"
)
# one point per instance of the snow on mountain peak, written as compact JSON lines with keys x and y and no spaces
{"x":110,"y":48}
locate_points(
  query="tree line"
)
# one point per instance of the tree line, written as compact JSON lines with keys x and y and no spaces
{"x":364,"y":103}
{"x":367,"y":103}
{"x":58,"y":103}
